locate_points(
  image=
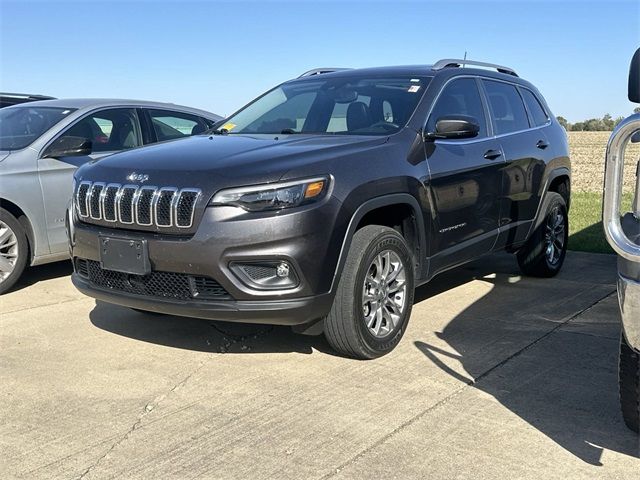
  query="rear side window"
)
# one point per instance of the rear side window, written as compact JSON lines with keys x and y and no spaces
{"x":170,"y":125}
{"x":507,"y":109}
{"x":459,"y":97}
{"x":536,"y":110}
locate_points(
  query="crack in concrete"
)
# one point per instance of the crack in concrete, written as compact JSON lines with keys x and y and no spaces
{"x":148,"y":408}
{"x":456,"y":392}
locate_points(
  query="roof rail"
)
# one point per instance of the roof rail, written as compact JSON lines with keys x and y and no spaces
{"x":320,"y":71}
{"x":455,"y":62}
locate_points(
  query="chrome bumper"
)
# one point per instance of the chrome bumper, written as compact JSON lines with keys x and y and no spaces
{"x":629,"y":296}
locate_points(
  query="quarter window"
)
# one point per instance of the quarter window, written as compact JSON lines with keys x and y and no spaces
{"x":507,"y":109}
{"x":171,"y":125}
{"x":460,"y":97}
{"x":109,"y":130}
{"x":536,"y":110}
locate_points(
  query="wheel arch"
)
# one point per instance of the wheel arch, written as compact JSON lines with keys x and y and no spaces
{"x":379,"y":210}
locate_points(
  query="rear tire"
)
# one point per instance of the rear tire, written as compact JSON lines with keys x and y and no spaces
{"x":14,"y":250}
{"x":546,"y":248}
{"x":374,"y":297}
{"x":629,"y":381}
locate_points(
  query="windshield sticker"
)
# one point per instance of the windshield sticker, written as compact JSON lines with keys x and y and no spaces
{"x":228,"y":126}
{"x":413,"y":88}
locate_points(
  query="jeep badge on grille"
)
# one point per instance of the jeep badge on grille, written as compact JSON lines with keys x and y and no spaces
{"x":137,"y":177}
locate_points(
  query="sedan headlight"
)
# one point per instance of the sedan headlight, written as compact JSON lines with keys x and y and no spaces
{"x":274,"y":196}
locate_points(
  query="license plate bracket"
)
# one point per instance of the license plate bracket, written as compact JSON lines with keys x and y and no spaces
{"x":124,"y":255}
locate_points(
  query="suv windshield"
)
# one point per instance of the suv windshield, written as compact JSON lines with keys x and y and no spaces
{"x":340,"y":105}
{"x":21,"y":126}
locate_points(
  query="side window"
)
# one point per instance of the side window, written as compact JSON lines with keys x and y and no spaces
{"x":170,"y":125}
{"x":536,"y":109}
{"x":460,"y":97}
{"x":507,"y":109}
{"x":109,"y":130}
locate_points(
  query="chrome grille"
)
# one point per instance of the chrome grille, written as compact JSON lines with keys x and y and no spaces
{"x":166,"y":207}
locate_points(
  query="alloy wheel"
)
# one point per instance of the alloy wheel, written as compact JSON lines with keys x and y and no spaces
{"x":8,"y":251}
{"x":555,"y":235}
{"x":384,"y":293}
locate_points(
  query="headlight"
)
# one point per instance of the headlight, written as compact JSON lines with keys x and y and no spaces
{"x":274,"y":196}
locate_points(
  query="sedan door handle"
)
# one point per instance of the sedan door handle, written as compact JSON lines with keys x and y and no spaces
{"x":542,"y":144}
{"x":492,"y":154}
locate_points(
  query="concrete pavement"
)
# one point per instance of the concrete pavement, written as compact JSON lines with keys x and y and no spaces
{"x":498,"y":376}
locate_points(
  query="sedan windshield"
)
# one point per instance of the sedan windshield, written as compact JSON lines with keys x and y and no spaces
{"x":21,"y":126}
{"x":340,"y":105}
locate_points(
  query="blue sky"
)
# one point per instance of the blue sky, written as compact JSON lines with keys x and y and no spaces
{"x":219,"y":55}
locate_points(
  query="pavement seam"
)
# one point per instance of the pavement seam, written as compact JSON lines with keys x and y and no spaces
{"x":148,"y":408}
{"x":52,"y":304}
{"x":456,"y":392}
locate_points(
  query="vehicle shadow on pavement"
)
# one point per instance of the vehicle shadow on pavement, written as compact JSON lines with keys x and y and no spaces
{"x":40,"y":273}
{"x":202,"y":335}
{"x":563,"y":384}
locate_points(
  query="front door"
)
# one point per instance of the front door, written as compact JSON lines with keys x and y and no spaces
{"x":465,"y":181}
{"x":110,"y":131}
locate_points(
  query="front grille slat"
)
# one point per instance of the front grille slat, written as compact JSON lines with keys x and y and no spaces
{"x":178,"y":286}
{"x":143,"y":206}
{"x":133,"y":206}
{"x":109,"y":202}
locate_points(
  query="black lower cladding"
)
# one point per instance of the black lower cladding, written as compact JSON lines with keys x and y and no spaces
{"x":178,"y":286}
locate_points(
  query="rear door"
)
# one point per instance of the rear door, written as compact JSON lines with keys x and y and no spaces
{"x":110,"y":131}
{"x":524,"y":146}
{"x":465,"y":180}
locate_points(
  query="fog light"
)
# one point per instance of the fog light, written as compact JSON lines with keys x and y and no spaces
{"x":282,"y":270}
{"x":265,"y":275}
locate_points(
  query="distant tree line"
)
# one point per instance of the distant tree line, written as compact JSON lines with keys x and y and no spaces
{"x":606,"y":123}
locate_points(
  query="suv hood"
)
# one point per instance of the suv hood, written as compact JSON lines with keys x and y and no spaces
{"x":220,"y":161}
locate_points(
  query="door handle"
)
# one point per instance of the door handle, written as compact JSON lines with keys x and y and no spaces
{"x":492,"y":154}
{"x":542,"y":144}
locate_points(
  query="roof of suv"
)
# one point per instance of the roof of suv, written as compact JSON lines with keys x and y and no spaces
{"x":113,"y":102}
{"x":458,"y":66}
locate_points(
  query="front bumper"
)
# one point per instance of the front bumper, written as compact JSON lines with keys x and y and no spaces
{"x":629,"y":297}
{"x":274,"y":312}
{"x":303,"y":238}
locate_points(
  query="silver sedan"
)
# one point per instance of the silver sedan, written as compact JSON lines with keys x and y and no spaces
{"x":43,"y":142}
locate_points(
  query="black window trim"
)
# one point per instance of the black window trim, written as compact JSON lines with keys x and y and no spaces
{"x":483,"y":94}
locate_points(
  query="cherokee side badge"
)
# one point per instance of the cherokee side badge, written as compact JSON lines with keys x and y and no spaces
{"x":137,"y":177}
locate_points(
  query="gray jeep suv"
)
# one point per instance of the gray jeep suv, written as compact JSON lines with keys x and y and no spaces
{"x":41,"y":145}
{"x":325,"y":202}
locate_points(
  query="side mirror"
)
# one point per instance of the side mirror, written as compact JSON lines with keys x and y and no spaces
{"x":453,"y":127}
{"x":634,"y":78}
{"x":68,"y":146}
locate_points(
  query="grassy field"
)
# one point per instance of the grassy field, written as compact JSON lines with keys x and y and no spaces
{"x":585,"y":218}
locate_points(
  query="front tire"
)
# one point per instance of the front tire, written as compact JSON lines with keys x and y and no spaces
{"x":545,"y":251}
{"x":629,"y":381}
{"x":14,"y":250}
{"x":374,"y":298}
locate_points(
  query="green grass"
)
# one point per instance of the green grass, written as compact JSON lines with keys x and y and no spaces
{"x":585,"y":222}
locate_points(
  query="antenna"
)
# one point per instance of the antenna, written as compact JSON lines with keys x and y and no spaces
{"x":465,"y":57}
